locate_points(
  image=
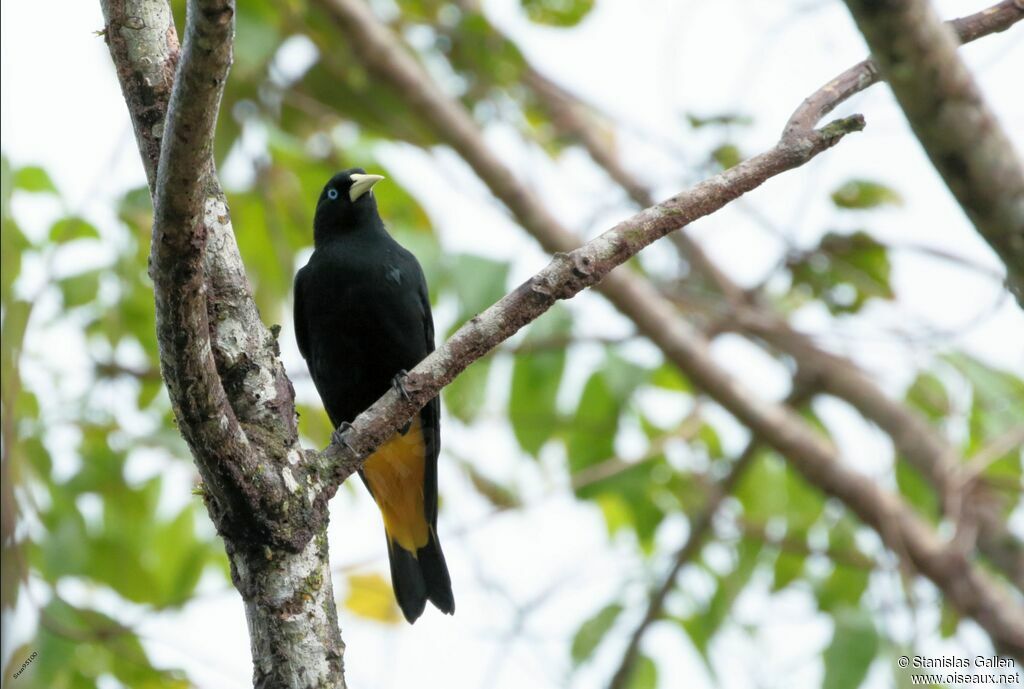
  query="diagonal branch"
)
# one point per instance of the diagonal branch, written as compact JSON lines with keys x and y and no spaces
{"x":917,"y":55}
{"x":921,"y":444}
{"x":971,"y":590}
{"x":563,"y":278}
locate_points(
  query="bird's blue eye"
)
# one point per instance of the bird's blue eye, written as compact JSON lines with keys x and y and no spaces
{"x":332,"y":194}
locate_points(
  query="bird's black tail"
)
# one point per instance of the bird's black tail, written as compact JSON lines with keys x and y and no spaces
{"x":421,"y":577}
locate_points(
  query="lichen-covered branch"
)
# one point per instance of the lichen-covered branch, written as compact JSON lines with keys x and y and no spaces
{"x":972,"y":591}
{"x":917,"y":54}
{"x":231,"y":398}
{"x":143,"y":34}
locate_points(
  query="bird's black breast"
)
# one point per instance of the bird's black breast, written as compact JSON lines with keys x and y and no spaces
{"x":361,"y":316}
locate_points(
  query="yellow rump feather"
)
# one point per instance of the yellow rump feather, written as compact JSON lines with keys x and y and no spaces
{"x":395,"y":474}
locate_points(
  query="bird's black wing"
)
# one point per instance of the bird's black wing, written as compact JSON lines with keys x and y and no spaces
{"x":301,"y":330}
{"x":430,"y":415}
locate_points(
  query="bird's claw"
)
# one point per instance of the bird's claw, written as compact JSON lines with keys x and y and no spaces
{"x":398,"y":383}
{"x":339,"y":436}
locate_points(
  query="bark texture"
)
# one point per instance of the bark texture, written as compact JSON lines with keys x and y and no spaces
{"x":232,"y":400}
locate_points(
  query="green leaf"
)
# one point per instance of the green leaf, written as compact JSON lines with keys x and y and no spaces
{"x":727,"y":156}
{"x":536,"y":379}
{"x":484,"y":57}
{"x":862,"y":194}
{"x":479,"y":282}
{"x":180,"y":558}
{"x":78,"y":646}
{"x":71,"y":228}
{"x":315,"y":424}
{"x":762,"y":488}
{"x":788,"y":568}
{"x":498,"y":495}
{"x":720,"y":120}
{"x":149,"y":388}
{"x":628,"y":498}
{"x":949,"y":621}
{"x":998,"y":400}
{"x":465,"y":396}
{"x":563,"y":13}
{"x":843,"y":587}
{"x":644,"y":674}
{"x":804,"y":503}
{"x":844,"y":271}
{"x":13,"y":244}
{"x":997,"y":409}
{"x":668,"y":377}
{"x":256,"y":40}
{"x":80,"y":289}
{"x":592,"y":434}
{"x":34,"y":179}
{"x":917,"y":490}
{"x":853,"y":647}
{"x":15,"y":322}
{"x":588,"y":637}
{"x":928,"y":395}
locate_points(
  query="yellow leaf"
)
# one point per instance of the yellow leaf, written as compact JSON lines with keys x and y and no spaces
{"x":370,"y":596}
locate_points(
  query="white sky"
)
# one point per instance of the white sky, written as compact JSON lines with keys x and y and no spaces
{"x":647,"y":62}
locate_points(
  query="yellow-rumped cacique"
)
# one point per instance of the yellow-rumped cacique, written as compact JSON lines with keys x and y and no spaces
{"x":362,"y":319}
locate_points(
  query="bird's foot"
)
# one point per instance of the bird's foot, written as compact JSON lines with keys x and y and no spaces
{"x":340,"y":434}
{"x":398,"y":383}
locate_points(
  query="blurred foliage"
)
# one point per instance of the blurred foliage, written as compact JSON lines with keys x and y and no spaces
{"x":94,"y":514}
{"x":862,"y":194}
{"x":562,"y":13}
{"x":93,"y":463}
{"x":844,"y":271}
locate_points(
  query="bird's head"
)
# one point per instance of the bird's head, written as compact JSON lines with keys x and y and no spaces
{"x":346,"y":203}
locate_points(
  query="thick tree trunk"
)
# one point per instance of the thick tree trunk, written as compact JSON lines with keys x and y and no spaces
{"x":231,"y":397}
{"x":293,"y":624}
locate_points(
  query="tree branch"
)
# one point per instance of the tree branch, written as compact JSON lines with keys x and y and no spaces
{"x":994,"y":19}
{"x":967,"y":587}
{"x":197,"y":267}
{"x":231,"y":398}
{"x":917,"y":55}
{"x":141,"y":35}
{"x":564,"y":277}
{"x":923,"y":446}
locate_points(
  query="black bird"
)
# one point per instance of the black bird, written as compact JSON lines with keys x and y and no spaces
{"x":362,"y":319}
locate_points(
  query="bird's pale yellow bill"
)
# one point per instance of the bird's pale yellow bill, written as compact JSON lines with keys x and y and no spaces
{"x":362,"y":184}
